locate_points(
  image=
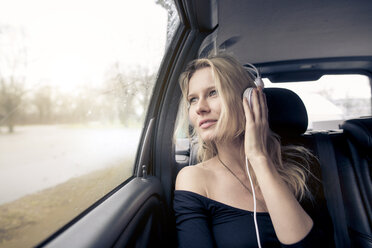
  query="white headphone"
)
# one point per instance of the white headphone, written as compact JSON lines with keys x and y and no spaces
{"x":248,"y":94}
{"x":258,"y":81}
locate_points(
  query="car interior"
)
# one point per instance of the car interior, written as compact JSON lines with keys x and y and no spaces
{"x":288,"y":41}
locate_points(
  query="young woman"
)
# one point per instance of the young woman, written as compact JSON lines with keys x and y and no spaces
{"x":213,"y":200}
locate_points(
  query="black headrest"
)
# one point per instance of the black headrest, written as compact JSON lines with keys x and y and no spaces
{"x":359,"y":131}
{"x":287,"y":112}
{"x":287,"y":116}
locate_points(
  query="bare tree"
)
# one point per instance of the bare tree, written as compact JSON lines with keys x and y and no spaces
{"x":144,"y":86}
{"x":13,"y":64}
{"x":130,"y":92}
{"x":43,"y":102}
{"x":120,"y":91}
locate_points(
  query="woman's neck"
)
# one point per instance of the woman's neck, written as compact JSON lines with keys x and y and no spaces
{"x":231,"y":154}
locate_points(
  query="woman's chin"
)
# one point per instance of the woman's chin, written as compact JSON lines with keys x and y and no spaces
{"x":208,"y":137}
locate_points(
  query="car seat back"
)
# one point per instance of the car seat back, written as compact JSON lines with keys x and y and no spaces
{"x":356,"y":179}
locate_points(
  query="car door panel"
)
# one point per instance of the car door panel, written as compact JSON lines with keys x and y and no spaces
{"x":131,"y":213}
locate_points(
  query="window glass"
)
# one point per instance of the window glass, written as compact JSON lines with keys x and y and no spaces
{"x":76,"y":77}
{"x":332,"y":99}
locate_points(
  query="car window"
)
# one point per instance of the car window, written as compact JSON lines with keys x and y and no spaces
{"x":76,"y":78}
{"x":332,"y":99}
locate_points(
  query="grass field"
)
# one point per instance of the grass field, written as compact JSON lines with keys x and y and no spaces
{"x":28,"y":220}
{"x":51,"y":174}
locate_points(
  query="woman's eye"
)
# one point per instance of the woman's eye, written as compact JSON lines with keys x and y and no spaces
{"x":213,"y":93}
{"x":192,"y":100}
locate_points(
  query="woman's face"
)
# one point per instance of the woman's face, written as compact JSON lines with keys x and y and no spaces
{"x":205,"y":104}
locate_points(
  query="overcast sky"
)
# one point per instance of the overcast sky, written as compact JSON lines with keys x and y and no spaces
{"x":75,"y":41}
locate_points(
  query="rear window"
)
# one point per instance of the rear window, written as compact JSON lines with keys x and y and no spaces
{"x":332,"y":99}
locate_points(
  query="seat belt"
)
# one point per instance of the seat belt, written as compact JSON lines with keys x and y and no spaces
{"x":332,"y":188}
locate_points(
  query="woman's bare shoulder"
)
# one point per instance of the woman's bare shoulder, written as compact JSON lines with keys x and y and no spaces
{"x":192,"y":178}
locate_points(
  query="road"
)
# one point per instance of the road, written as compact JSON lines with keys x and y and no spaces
{"x":38,"y":157}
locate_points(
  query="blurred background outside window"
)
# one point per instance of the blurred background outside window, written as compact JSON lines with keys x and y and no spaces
{"x":76,"y":78}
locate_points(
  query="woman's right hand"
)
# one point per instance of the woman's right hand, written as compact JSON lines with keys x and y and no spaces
{"x":257,"y":127}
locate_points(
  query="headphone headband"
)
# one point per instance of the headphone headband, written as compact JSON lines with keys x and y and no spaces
{"x":254,"y":71}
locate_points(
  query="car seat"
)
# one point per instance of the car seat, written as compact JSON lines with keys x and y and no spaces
{"x":356,"y":181}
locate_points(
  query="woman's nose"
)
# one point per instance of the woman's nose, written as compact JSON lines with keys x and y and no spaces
{"x":202,"y":106}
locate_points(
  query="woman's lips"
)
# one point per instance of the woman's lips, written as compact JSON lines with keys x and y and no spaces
{"x":207,"y":123}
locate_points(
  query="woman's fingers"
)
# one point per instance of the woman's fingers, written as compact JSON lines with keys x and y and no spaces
{"x":256,"y":124}
{"x":263,"y":106}
{"x":255,"y":105}
{"x":257,"y":112}
{"x":247,"y":110}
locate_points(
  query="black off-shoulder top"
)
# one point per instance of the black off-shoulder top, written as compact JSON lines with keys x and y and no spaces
{"x":203,"y":222}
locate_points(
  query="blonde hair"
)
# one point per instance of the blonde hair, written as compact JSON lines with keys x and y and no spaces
{"x":231,"y":79}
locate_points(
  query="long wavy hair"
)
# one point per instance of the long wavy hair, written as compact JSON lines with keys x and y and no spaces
{"x":231,"y":78}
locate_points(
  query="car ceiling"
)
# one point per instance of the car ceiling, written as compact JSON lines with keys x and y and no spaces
{"x":291,"y":40}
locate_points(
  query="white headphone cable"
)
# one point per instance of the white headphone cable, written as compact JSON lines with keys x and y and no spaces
{"x":254,"y":204}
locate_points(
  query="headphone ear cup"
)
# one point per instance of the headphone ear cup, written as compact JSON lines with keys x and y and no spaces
{"x":248,"y":94}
